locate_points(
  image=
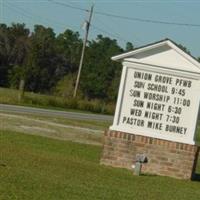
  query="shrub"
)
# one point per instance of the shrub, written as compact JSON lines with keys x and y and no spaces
{"x":96,"y":106}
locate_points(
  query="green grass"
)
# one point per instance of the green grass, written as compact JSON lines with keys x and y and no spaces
{"x":33,"y":167}
{"x":10,"y":96}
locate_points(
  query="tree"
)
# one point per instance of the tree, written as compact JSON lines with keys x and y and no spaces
{"x":5,"y":48}
{"x":69,"y":46}
{"x":20,"y":49}
{"x":184,"y":49}
{"x":44,"y":67}
{"x":13,"y":50}
{"x":98,"y":70}
{"x":20,"y":40}
{"x":48,"y":63}
{"x":129,"y":46}
{"x":65,"y":86}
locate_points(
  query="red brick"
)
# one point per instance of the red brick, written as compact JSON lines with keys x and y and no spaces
{"x":162,"y":158}
{"x":165,"y":157}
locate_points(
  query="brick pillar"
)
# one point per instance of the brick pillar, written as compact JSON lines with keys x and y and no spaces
{"x":165,"y":158}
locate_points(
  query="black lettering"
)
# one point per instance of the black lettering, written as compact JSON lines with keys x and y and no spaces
{"x":139,"y":84}
{"x":153,"y":115}
{"x":163,"y":79}
{"x":176,"y":129}
{"x":124,"y":119}
{"x":136,"y":112}
{"x":154,"y":125}
{"x":142,"y":75}
{"x":132,"y":121}
{"x":134,"y":93}
{"x":156,"y":97}
{"x":155,"y":106}
{"x":184,"y":83}
{"x":138,"y":103}
{"x":158,"y":88}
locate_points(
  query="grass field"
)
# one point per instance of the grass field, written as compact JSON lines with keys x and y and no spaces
{"x":10,"y":96}
{"x":34,"y":167}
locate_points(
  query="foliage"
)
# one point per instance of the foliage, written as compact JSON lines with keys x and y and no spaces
{"x":14,"y":47}
{"x":8,"y":96}
{"x":129,"y":46}
{"x":184,"y":49}
{"x":48,"y":63}
{"x":65,"y":87}
{"x":44,"y":67}
{"x":69,"y":45}
{"x":98,"y":71}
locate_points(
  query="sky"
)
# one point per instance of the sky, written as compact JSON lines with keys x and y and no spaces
{"x":131,"y":25}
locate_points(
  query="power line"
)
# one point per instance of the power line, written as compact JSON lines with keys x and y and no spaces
{"x":147,"y":20}
{"x":25,"y":14}
{"x":30,"y":15}
{"x":106,"y":32}
{"x":116,"y":32}
{"x":129,"y":18}
{"x":16,"y":10}
{"x":116,"y":35}
{"x":108,"y":27}
{"x":85,"y":10}
{"x":69,"y":6}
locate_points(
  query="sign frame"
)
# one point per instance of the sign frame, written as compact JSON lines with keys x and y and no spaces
{"x":155,"y":69}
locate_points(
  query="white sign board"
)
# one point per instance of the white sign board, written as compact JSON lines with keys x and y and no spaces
{"x":156,"y":103}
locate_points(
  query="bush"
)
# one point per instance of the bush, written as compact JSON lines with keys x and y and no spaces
{"x":71,"y":103}
{"x":8,"y":96}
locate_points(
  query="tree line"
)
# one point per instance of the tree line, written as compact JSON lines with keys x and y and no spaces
{"x":48,"y":63}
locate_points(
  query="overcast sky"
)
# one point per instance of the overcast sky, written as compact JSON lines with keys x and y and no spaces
{"x":139,"y":22}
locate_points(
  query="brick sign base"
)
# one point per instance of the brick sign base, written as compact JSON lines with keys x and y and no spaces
{"x":164,"y":158}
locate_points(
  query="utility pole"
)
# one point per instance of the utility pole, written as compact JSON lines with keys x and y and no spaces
{"x":83,"y":50}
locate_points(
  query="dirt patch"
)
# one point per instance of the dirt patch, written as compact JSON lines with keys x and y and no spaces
{"x":47,"y":128}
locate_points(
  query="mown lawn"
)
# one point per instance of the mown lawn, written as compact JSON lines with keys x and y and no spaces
{"x":33,"y":167}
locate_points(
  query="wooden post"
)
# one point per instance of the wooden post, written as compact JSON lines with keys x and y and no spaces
{"x":21,"y":89}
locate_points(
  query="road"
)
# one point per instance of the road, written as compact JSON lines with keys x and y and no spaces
{"x":56,"y":113}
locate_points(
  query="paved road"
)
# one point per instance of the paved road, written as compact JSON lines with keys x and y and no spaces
{"x":48,"y":112}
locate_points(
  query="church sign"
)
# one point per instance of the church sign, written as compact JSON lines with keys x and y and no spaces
{"x":158,"y":103}
{"x":158,"y":98}
{"x":156,"y":113}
